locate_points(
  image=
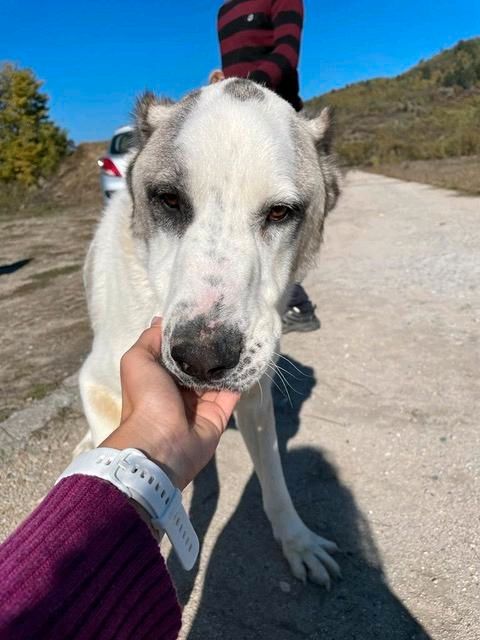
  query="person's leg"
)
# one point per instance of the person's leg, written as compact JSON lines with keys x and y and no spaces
{"x":300,"y":312}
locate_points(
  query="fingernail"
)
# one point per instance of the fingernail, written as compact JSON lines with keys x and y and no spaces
{"x":156,"y":320}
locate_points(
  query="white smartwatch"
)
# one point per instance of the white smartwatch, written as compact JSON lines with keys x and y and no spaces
{"x":143,"y":481}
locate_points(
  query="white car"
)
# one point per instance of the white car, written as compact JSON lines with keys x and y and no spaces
{"x":113,"y":165}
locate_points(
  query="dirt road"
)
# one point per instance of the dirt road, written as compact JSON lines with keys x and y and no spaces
{"x":386,"y":461}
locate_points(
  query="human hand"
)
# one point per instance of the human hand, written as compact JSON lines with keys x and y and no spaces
{"x":177,"y":428}
{"x":216,"y":76}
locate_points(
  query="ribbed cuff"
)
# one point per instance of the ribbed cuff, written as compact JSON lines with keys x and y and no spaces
{"x":84,"y":565}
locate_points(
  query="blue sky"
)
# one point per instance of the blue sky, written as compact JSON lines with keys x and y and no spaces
{"x":96,"y":56}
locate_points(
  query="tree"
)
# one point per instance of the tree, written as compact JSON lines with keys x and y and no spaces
{"x":31,"y":145}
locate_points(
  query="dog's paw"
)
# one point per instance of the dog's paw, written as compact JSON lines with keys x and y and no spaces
{"x":309,"y":557}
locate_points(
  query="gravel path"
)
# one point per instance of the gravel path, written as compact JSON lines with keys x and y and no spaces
{"x":386,"y":461}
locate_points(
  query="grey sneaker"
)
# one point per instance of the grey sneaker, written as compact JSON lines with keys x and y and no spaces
{"x":300,"y":318}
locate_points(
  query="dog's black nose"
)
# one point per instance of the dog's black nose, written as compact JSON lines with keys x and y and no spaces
{"x":206,"y":355}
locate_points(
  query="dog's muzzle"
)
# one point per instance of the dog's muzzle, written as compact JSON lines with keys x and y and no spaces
{"x":206,"y":354}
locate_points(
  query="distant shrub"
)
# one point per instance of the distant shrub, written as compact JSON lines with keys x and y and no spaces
{"x":31,"y":145}
{"x":426,"y":72}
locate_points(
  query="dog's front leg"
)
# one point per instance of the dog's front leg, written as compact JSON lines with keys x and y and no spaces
{"x":305,"y":551}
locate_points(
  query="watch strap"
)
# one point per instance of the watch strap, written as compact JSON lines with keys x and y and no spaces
{"x":145,"y":482}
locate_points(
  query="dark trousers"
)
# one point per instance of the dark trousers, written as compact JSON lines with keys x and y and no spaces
{"x":298,"y":296}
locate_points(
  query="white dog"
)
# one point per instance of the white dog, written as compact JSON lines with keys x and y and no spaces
{"x":227,"y":194}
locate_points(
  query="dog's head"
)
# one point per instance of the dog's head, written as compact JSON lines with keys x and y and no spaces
{"x":230,"y":189}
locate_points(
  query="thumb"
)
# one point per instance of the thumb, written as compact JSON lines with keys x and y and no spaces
{"x":151,"y":339}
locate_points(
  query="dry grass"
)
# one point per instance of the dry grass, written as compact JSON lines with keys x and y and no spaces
{"x":461,"y":174}
{"x":76,"y":184}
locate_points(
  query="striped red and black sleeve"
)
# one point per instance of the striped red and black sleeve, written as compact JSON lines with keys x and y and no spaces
{"x":287,"y":21}
{"x":260,"y":39}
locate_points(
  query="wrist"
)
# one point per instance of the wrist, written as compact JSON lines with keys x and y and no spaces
{"x":144,"y":483}
{"x":154,"y":445}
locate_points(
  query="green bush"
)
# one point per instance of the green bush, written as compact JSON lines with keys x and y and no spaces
{"x":31,"y":145}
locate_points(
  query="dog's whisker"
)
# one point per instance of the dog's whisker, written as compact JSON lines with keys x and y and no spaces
{"x":287,"y":383}
{"x":283,"y":381}
{"x":286,"y":388}
{"x":275,"y":383}
{"x":287,"y":372}
{"x":279,"y":355}
{"x":261,"y":392}
{"x":278,"y":370}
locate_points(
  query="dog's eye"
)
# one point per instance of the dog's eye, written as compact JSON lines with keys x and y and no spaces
{"x":170,"y":200}
{"x":278,"y":213}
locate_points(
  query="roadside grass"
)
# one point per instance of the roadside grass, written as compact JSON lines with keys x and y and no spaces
{"x":39,"y":390}
{"x":18,"y":202}
{"x":460,"y":174}
{"x":36,"y":392}
{"x":5,"y":412}
{"x":76,"y":184}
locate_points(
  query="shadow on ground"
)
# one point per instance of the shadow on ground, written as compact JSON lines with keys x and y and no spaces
{"x":249,"y":592}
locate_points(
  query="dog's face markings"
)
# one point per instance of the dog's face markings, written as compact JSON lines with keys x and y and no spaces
{"x":244,"y":90}
{"x":170,"y":211}
{"x":223,"y":205}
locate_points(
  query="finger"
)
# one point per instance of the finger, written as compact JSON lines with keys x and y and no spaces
{"x":156,"y":321}
{"x":150,"y":340}
{"x":217,"y":407}
{"x":227,"y":401}
{"x":144,"y":352}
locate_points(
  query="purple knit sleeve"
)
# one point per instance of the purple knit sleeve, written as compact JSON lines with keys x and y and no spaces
{"x":84,"y":565}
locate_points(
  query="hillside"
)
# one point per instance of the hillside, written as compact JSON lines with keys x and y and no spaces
{"x":430,"y":112}
{"x":75,"y":183}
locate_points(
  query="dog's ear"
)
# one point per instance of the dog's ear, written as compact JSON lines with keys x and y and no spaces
{"x":149,"y":113}
{"x":323,"y":130}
